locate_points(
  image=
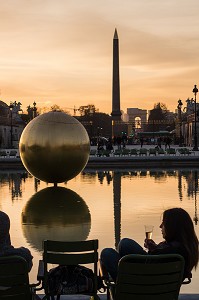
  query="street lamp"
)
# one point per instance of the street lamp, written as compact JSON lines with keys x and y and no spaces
{"x":11,"y":125}
{"x":195,"y":148}
{"x":34,"y":110}
{"x":180,"y":120}
{"x":91,"y":128}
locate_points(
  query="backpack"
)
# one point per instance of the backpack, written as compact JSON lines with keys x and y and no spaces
{"x":72,"y":279}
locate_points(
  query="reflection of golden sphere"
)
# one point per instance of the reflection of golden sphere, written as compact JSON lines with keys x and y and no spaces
{"x":54,"y":147}
{"x":55,"y":214}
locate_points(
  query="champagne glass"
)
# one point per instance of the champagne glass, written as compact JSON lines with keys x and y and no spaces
{"x":148,"y":231}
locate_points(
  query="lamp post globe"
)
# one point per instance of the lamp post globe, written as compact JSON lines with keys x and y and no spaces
{"x":195,"y":91}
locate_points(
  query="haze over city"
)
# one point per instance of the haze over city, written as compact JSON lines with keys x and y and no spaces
{"x":60,"y":52}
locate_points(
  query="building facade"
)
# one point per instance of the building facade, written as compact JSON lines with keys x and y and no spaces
{"x":11,"y":125}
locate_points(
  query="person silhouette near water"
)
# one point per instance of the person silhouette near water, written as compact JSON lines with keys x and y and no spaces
{"x":179,"y":238}
{"x":6,"y":248}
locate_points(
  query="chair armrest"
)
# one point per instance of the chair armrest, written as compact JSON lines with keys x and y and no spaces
{"x":40,"y":273}
{"x":108,"y":281}
{"x":102,"y":271}
{"x":39,"y":285}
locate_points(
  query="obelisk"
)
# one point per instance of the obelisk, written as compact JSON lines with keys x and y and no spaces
{"x":116,"y":113}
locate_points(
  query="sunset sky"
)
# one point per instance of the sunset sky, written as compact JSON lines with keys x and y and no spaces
{"x":60,"y":52}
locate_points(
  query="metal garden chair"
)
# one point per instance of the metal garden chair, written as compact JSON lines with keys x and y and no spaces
{"x":14,"y":279}
{"x":146,"y":277}
{"x":68,"y":253}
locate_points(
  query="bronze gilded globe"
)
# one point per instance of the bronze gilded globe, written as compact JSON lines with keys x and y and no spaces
{"x":54,"y":147}
{"x":68,"y":220}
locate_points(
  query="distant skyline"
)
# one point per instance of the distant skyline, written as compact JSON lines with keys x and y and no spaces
{"x":60,"y":52}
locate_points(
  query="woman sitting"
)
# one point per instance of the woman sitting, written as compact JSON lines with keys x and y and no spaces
{"x":179,"y":238}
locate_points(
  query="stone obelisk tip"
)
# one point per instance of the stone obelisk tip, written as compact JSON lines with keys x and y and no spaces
{"x":115,"y":35}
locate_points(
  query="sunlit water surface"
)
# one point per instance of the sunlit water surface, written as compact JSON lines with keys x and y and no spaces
{"x":104,"y":205}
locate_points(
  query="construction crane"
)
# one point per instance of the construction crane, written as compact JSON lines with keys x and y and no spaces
{"x":73,"y":108}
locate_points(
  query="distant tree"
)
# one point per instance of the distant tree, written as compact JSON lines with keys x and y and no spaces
{"x":157,"y":116}
{"x":87,"y":110}
{"x":42,"y":110}
{"x":96,"y":123}
{"x":159,"y":112}
{"x":104,"y":121}
{"x":160,"y":105}
{"x":32,"y":112}
{"x":56,"y":107}
{"x":26,"y":118}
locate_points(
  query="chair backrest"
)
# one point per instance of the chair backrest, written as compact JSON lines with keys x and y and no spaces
{"x":143,"y":151}
{"x":149,"y":277}
{"x":152,"y":151}
{"x":14,"y":280}
{"x":161,"y":151}
{"x":133,"y":151}
{"x":3,"y":153}
{"x":71,"y":253}
{"x":171,"y":151}
{"x":117,"y":152}
{"x":93,"y":152}
{"x":125,"y":151}
{"x":13,"y":153}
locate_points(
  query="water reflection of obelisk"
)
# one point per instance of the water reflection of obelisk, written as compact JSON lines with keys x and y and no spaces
{"x":117,"y":206}
{"x":116,"y":113}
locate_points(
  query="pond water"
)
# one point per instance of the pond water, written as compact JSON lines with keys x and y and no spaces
{"x":107,"y":205}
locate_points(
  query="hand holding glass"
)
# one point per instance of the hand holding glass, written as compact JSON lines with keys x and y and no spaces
{"x":148,"y":231}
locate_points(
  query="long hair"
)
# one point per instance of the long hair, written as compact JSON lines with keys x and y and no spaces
{"x":179,"y":227}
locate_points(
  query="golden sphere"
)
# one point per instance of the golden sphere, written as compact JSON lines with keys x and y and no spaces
{"x":66,"y":219}
{"x":54,"y":147}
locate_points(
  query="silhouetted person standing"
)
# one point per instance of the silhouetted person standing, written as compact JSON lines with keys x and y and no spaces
{"x":119,"y":141}
{"x":141,"y":142}
{"x":167,"y":142}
